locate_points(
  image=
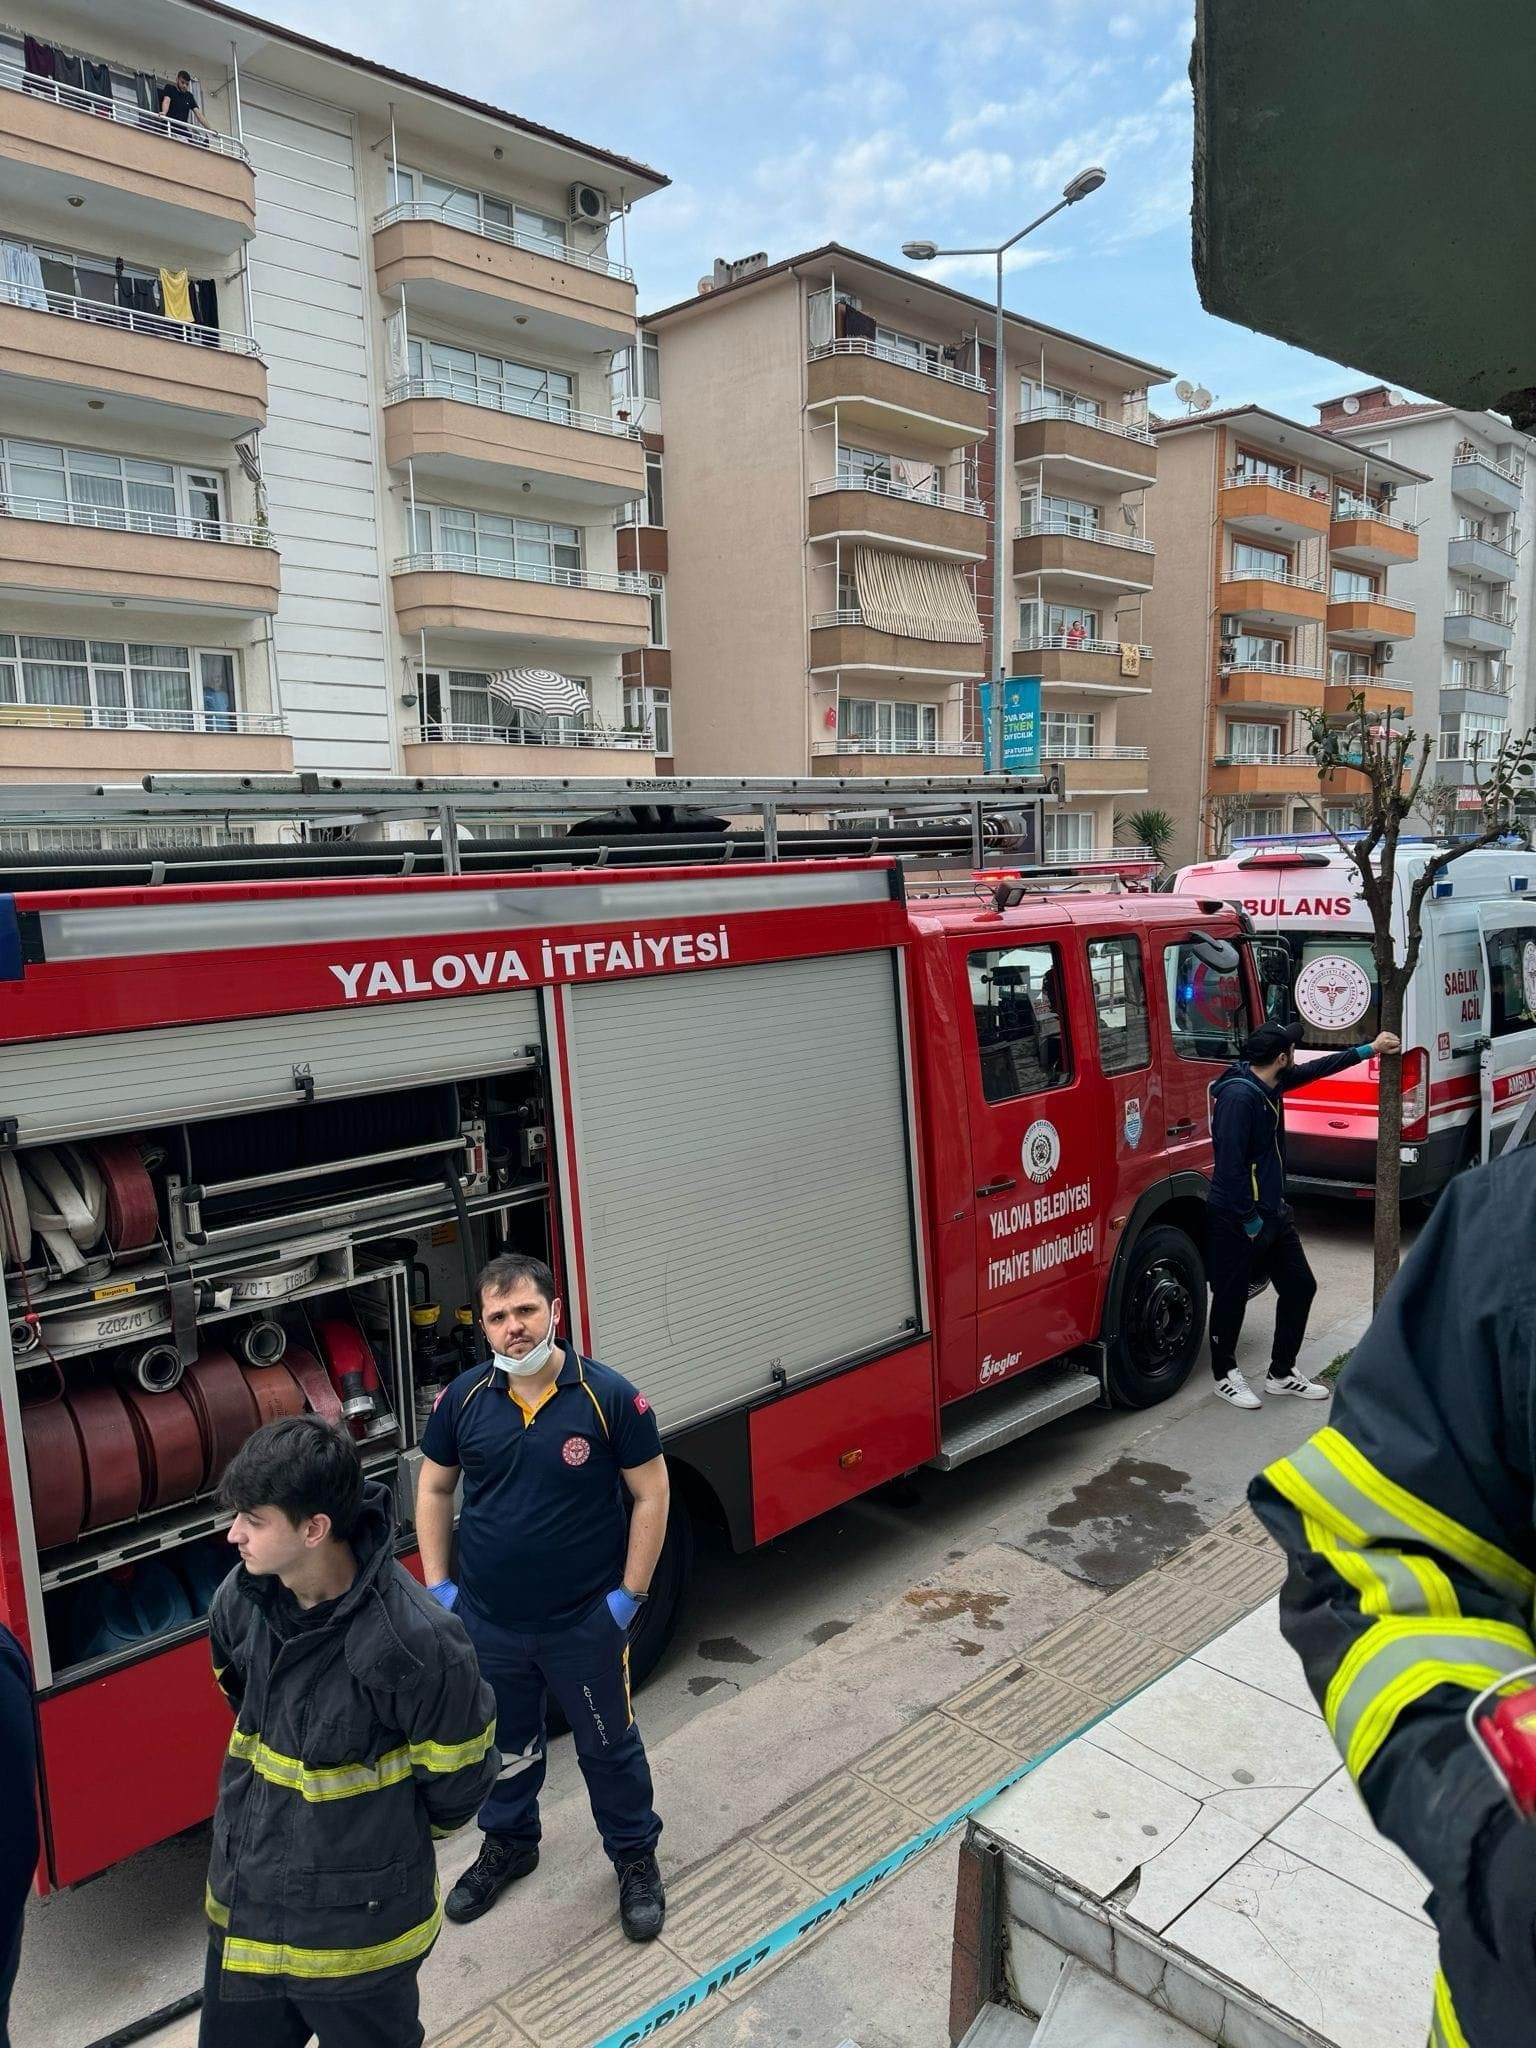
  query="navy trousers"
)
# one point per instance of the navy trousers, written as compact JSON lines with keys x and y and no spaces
{"x":586,"y":1667}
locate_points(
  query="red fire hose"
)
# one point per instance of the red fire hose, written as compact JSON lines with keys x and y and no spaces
{"x":55,"y":1472}
{"x":314,"y":1382}
{"x":350,"y":1364}
{"x":170,"y":1445}
{"x":226,"y":1413}
{"x":114,"y":1483}
{"x":132,"y":1213}
{"x":274,"y":1389}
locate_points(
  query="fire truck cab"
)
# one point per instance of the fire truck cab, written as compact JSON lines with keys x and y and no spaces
{"x":847,"y":1177}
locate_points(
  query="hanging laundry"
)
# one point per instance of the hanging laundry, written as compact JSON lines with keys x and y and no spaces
{"x":98,"y":78}
{"x":858,"y":324}
{"x":68,"y":69}
{"x":22,"y":274}
{"x":40,"y":58}
{"x":205,"y":302}
{"x":176,"y":299}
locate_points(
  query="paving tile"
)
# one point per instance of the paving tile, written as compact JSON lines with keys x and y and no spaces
{"x":730,"y":1900}
{"x":599,"y":1983}
{"x":1024,"y":1708}
{"x":1101,"y":1656}
{"x":1090,"y":1819}
{"x":1186,"y":1868}
{"x":1333,"y":1830}
{"x":488,"y":2028}
{"x":838,"y":1830}
{"x":1239,"y":1570}
{"x":1245,"y":1527}
{"x":1254,"y":1650}
{"x":1196,"y":1594}
{"x":935,"y":1764}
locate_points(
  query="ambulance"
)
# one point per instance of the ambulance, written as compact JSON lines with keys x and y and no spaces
{"x":1469,"y":1019}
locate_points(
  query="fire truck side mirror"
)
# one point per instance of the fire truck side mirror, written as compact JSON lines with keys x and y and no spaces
{"x":1274,"y":966}
{"x":1217,"y":954}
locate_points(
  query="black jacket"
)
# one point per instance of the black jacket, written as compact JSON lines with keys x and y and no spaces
{"x":18,"y":1805}
{"x":1410,"y":1522}
{"x":357,"y":1739}
{"x":1248,"y":1132}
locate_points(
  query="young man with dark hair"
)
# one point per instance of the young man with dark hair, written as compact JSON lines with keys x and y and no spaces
{"x":552,"y":1573}
{"x":363,"y":1730}
{"x":178,"y":102}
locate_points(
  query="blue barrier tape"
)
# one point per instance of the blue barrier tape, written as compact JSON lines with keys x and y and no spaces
{"x":810,"y":1919}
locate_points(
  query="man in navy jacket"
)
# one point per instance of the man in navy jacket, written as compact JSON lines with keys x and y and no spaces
{"x":1249,"y":1221}
{"x":18,"y":1806}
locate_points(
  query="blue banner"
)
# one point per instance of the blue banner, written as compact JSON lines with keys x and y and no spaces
{"x":1021,"y":726}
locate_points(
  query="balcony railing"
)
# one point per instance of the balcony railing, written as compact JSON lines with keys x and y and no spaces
{"x":1501,"y":613}
{"x":912,"y":494}
{"x":938,"y":631}
{"x":510,"y":238}
{"x":1285,"y":576}
{"x":121,"y":718}
{"x":100,"y":314}
{"x":1512,"y":472}
{"x":1247,"y":760}
{"x":1081,"y":416}
{"x":1073,"y":752}
{"x":1095,"y":856}
{"x":118,"y":519}
{"x":945,"y":749}
{"x":1317,"y":492}
{"x":14,"y":79}
{"x":628,"y":581}
{"x":454,"y":731}
{"x":885,"y":353}
{"x":1361,"y":508}
{"x":1298,"y":670}
{"x":1076,"y":530}
{"x":552,"y":410}
{"x":1040,"y":643}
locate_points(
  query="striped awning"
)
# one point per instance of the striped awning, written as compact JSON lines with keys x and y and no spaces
{"x":542,"y":691}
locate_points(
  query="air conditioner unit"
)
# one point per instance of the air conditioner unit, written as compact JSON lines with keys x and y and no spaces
{"x":1385,"y":650}
{"x":590,"y":204}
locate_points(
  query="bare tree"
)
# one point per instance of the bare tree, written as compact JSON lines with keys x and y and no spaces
{"x":1393,"y":766}
{"x":1217,"y":815}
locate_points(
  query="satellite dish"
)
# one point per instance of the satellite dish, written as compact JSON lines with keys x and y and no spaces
{"x":1396,"y":398}
{"x":1183,"y":391}
{"x":1202,"y":398}
{"x":1351,"y":405}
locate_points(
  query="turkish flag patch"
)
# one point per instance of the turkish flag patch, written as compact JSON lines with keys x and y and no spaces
{"x":575,"y":1450}
{"x":642,"y":1406}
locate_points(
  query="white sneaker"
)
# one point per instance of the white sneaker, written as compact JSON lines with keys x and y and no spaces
{"x":1235,"y":1388}
{"x":1293,"y":1383}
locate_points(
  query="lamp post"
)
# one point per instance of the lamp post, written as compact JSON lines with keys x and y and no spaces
{"x":1086,"y":181}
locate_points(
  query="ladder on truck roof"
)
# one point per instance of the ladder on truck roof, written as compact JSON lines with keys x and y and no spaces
{"x":340,"y":825}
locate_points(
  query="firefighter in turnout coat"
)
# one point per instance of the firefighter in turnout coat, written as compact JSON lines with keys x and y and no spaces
{"x":1409,"y":1527}
{"x":363,"y":1731}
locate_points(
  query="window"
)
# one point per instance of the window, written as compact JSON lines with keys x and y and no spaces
{"x":1069,"y":835}
{"x":1120,"y":1004}
{"x":85,"y":488}
{"x":1481,"y":731}
{"x":648,"y":710}
{"x":1052,"y":400}
{"x":1067,"y":733}
{"x":658,"y":597}
{"x":871,"y":725}
{"x":1261,"y":650}
{"x":1039,"y":621}
{"x":1342,"y":818}
{"x":1351,"y":585}
{"x":496,"y":381}
{"x":1020,"y":1025}
{"x":655,"y":510}
{"x":911,"y":346}
{"x":464,"y":207}
{"x":1261,"y":469}
{"x":1040,"y":512}
{"x":457,"y":705}
{"x":1345,"y":666}
{"x":901,"y":475}
{"x":120,"y":684}
{"x":1252,"y":742}
{"x":1257,"y":824}
{"x":1208,"y":1010}
{"x":1508,"y":1007}
{"x":1248,"y":559}
{"x":533,"y":550}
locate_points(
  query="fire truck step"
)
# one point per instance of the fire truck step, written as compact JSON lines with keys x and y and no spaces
{"x":996,"y":1417}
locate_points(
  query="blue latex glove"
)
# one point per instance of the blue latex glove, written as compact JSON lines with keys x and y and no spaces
{"x":445,"y":1593}
{"x":623,"y":1606}
{"x":1254,"y":1227}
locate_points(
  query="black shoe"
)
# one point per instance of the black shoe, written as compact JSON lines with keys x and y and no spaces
{"x":642,"y":1899}
{"x":499,"y":1864}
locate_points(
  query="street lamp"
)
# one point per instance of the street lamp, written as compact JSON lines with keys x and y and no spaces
{"x":1087,"y":180}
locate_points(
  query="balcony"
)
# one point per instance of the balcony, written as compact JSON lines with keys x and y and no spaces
{"x":894,"y":516}
{"x":890,"y":392}
{"x":1379,"y":697}
{"x":1101,"y":771}
{"x":1282,"y":683}
{"x":84,"y":742}
{"x":1365,"y":535}
{"x":841,"y":640}
{"x":580,"y":457}
{"x":1093,"y":666}
{"x":1272,"y":508}
{"x":1485,"y":561}
{"x":1364,"y":619}
{"x":1274,"y":600}
{"x":139,"y":172}
{"x":471,"y":596}
{"x":1486,"y":625}
{"x":1088,"y":558}
{"x":869,"y":757}
{"x":1481,"y":481}
{"x":460,"y":749}
{"x":1103,"y":454}
{"x":55,"y":551}
{"x":1266,"y":775}
{"x":476,"y":276}
{"x":157,"y":372}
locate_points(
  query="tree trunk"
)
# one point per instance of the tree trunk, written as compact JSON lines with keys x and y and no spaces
{"x":1389,"y":1155}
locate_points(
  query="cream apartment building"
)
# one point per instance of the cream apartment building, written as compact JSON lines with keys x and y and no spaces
{"x":312,"y":419}
{"x":1281,"y":553}
{"x":825,"y":434}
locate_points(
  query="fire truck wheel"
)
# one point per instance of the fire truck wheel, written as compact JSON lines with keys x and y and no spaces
{"x":1162,"y":1319}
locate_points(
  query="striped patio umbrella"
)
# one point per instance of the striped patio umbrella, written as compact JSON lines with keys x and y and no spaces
{"x":543,"y":691}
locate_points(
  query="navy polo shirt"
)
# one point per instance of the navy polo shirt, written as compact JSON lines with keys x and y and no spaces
{"x":544,"y":1526}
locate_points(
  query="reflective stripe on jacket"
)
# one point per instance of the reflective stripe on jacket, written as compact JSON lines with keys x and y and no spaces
{"x":1409,"y":1526}
{"x":357,"y":1741}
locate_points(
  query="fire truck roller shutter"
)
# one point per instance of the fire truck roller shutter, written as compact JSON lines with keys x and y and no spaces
{"x":131,"y":1080}
{"x":745,"y":1186}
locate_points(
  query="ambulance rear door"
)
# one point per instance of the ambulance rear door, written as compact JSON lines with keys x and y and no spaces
{"x":1508,"y":935}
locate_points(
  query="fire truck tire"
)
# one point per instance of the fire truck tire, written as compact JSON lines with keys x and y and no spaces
{"x":1162,"y":1318}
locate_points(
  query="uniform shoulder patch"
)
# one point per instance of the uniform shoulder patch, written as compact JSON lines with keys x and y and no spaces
{"x":642,"y":1406}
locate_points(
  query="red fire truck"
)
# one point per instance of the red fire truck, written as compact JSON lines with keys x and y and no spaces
{"x":849,"y":1177}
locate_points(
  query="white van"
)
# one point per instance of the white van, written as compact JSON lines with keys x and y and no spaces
{"x":1469,"y":1020}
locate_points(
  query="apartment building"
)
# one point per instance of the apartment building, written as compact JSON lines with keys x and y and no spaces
{"x":1471,"y":584}
{"x":827,"y":464}
{"x":1280,"y":550}
{"x":310,"y":453}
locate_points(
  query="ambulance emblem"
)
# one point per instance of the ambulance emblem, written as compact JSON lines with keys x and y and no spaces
{"x":1041,"y":1150}
{"x":1528,"y":973}
{"x":575,"y":1450}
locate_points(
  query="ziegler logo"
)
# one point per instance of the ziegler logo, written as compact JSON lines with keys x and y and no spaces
{"x":994,"y":1368}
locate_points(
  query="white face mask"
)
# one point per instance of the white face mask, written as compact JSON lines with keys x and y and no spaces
{"x":535,"y":1360}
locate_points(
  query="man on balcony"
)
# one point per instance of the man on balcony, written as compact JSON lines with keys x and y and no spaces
{"x":179,"y":103}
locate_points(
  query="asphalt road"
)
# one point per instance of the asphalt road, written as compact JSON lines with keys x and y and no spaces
{"x":1096,"y":1497}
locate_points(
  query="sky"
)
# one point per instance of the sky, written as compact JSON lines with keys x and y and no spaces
{"x":784,"y":124}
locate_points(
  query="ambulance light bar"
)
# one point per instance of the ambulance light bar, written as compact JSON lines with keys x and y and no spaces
{"x":1285,"y":857}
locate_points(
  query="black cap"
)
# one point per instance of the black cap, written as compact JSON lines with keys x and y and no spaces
{"x":1270,"y":1041}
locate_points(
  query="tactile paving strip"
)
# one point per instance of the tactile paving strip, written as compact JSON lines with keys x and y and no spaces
{"x":935,"y":1765}
{"x":489,"y":2028}
{"x":838,"y":1830}
{"x":598,"y":1983}
{"x":731,"y":1899}
{"x":1101,"y":1657}
{"x":1185,"y":1607}
{"x":1025,"y":1708}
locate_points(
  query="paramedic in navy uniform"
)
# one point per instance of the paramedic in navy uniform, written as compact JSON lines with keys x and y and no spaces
{"x":551,"y":1576}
